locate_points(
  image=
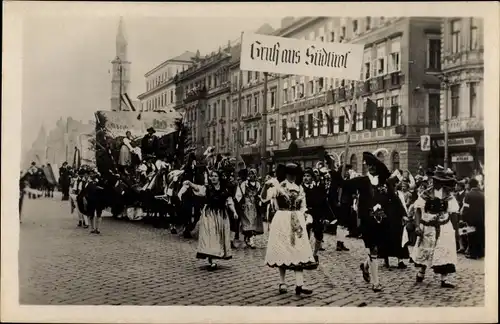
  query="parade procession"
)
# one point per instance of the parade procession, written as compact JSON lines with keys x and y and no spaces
{"x":210,"y":188}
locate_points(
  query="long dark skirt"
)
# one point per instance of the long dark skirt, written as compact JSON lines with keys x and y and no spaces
{"x":390,"y":243}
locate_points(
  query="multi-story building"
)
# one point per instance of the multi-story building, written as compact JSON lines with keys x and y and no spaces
{"x":252,"y":100}
{"x":60,"y":143}
{"x":202,"y":93}
{"x":400,"y":64}
{"x":160,"y":84}
{"x":462,"y":97}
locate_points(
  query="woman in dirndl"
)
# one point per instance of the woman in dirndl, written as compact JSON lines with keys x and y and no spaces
{"x":288,"y":246}
{"x":436,"y":245}
{"x":248,"y":196}
{"x":125,"y":159}
{"x":214,"y":238}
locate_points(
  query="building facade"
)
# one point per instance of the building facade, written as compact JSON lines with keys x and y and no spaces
{"x":249,"y":111}
{"x":202,"y":94}
{"x":59,"y":144}
{"x":160,"y":84}
{"x":400,"y":75}
{"x":462,"y":94}
{"x":120,"y":70}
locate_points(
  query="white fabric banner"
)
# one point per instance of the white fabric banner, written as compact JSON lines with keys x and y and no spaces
{"x":301,"y":57}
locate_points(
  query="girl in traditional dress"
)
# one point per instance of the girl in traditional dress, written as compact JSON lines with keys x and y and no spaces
{"x":214,"y":240}
{"x":436,"y":246}
{"x":126,"y":150}
{"x":288,"y":245}
{"x":247,"y":195}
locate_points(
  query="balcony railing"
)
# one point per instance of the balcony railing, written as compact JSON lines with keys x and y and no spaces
{"x":304,"y":103}
{"x":195,"y":94}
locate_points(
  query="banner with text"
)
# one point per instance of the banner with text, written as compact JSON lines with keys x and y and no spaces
{"x":301,"y":57}
{"x":117,"y":123}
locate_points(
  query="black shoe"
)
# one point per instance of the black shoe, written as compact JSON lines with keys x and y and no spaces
{"x":472,"y":257}
{"x":85,"y":226}
{"x":173,"y":231}
{"x":377,"y":288}
{"x":445,"y":284}
{"x":212,"y":267}
{"x":97,"y":232}
{"x":401,"y":265}
{"x":461,"y":251}
{"x":92,"y":232}
{"x":282,"y":289}
{"x":79,"y":224}
{"x":299,"y":290}
{"x":366,"y":273}
{"x":341,"y":247}
{"x":420,"y":277}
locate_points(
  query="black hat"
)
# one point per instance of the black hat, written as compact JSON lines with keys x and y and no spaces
{"x":309,"y":171}
{"x":380,"y":167}
{"x":443,"y":177}
{"x":151,"y":130}
{"x":33,"y":163}
{"x":243,"y":174}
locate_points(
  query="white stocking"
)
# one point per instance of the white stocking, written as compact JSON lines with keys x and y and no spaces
{"x":282,"y":275}
{"x":299,"y":278}
{"x":341,"y":234}
{"x":374,"y":270}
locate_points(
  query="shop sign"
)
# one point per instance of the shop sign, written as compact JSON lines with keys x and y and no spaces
{"x":425,"y":143}
{"x":462,"y":141}
{"x":467,"y":124}
{"x":465,"y":157}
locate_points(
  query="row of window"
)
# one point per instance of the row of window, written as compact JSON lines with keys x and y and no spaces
{"x":210,"y":81}
{"x":457,"y":30}
{"x":325,"y":125}
{"x":212,"y":138}
{"x":473,"y":99}
{"x":212,"y":110}
{"x":165,"y":76}
{"x":160,"y":101}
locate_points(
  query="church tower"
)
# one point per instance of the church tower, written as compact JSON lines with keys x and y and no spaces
{"x":121,"y":70}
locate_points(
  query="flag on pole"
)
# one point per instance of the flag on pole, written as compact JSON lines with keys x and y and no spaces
{"x":122,"y":98}
{"x":347,"y":113}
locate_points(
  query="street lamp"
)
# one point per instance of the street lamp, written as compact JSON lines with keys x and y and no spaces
{"x":445,"y":82}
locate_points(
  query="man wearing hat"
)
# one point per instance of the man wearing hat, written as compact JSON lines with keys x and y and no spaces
{"x":473,"y":214}
{"x":436,"y":244}
{"x":377,"y":205}
{"x":316,"y":204}
{"x":149,"y":143}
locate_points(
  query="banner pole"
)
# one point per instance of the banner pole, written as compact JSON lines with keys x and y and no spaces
{"x":348,"y":138}
{"x":238,"y":117}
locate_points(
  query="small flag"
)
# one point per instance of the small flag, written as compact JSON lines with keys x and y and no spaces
{"x":122,"y":98}
{"x":131,"y":105}
{"x":347,"y":113}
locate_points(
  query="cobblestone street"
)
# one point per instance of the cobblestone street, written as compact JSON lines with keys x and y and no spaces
{"x":136,"y":264}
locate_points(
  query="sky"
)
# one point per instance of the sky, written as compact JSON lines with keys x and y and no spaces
{"x":67,"y":59}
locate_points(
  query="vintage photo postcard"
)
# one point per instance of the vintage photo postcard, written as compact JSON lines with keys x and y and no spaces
{"x":293,"y":162}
